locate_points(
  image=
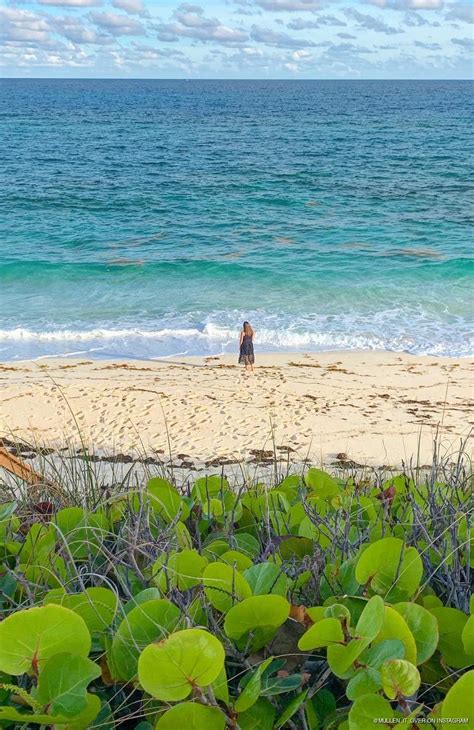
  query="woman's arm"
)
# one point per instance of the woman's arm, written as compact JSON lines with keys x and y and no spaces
{"x":241,"y":338}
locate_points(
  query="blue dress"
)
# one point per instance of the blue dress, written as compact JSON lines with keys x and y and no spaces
{"x":246,"y":356}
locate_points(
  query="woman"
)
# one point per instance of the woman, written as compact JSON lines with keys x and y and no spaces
{"x":246,"y":356}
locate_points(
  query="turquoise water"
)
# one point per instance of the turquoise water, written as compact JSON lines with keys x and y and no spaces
{"x":148,"y":218}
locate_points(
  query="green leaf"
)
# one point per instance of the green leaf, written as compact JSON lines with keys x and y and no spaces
{"x":29,"y":637}
{"x":341,"y":658}
{"x":170,"y":669}
{"x":247,"y":544}
{"x":399,"y":678}
{"x":39,"y":543}
{"x":451,"y":623}
{"x":371,"y":711}
{"x":321,"y":483}
{"x":63,"y":683}
{"x":266,"y":578}
{"x":224,"y":586}
{"x":375,"y":655}
{"x":82,"y":721}
{"x":324,"y":704}
{"x":183,"y":570}
{"x":192,"y":716}
{"x":371,"y":619}
{"x":291,"y":709}
{"x":260,"y":716}
{"x":339,"y":611}
{"x":208,"y":486}
{"x":458,"y":702}
{"x":395,"y":627}
{"x":267,"y":612}
{"x":275,"y":685}
{"x":164,"y":499}
{"x":390,"y":568}
{"x":323,"y":633}
{"x":251,"y":691}
{"x":97,"y":606}
{"x":86,"y":718}
{"x":424,"y":627}
{"x":147,"y":622}
{"x":69,"y":518}
{"x":86,"y":537}
{"x":364,"y":681}
{"x":468,"y":636}
{"x":147,"y":594}
{"x":220,"y":688}
{"x":237,"y":559}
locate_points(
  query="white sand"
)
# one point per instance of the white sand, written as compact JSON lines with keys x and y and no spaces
{"x":378,"y":408}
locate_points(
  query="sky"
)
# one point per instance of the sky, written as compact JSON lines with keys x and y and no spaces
{"x":246,"y":39}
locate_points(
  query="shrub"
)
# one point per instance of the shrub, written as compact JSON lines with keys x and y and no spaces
{"x":314,"y":603}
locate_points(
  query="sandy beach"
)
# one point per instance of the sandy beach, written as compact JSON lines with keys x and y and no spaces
{"x":377,"y":408}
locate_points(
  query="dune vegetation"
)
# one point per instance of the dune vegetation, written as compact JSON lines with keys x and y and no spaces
{"x":312,"y":602}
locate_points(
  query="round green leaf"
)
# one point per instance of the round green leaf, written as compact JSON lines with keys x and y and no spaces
{"x":468,"y":636}
{"x":164,"y":498}
{"x":29,"y":637}
{"x":147,"y":622}
{"x":399,"y":678}
{"x":234,"y":557}
{"x":267,"y":612}
{"x":170,"y":669}
{"x":192,"y":716}
{"x":224,"y":586}
{"x":208,"y":486}
{"x":265,"y":578}
{"x":395,"y":627}
{"x":458,"y":702}
{"x":247,"y":544}
{"x":364,"y":682}
{"x":63,"y":682}
{"x":321,"y":483}
{"x":97,"y":606}
{"x":182,"y":570}
{"x":323,"y":633}
{"x":377,"y":654}
{"x":451,"y":623}
{"x":423,"y":626}
{"x":390,"y":568}
{"x":371,"y":711}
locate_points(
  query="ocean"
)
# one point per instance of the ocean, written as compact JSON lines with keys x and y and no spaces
{"x":146,"y":219}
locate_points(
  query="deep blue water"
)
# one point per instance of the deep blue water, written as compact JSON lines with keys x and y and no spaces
{"x":148,"y":218}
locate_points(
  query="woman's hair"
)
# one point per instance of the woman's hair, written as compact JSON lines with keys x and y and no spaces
{"x":247,"y":329}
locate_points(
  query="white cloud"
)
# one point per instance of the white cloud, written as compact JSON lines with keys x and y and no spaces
{"x":274,"y":38}
{"x":23,"y":26}
{"x":133,"y":7}
{"x":369,"y":22}
{"x":76,"y":31}
{"x":288,"y":5}
{"x":117,"y":24}
{"x":409,"y":4}
{"x":71,"y":3}
{"x":190,"y":22}
{"x":461,"y":11}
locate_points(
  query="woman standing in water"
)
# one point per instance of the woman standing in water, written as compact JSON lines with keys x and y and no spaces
{"x":246,"y":356}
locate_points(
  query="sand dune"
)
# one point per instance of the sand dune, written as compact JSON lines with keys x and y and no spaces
{"x":377,"y":408}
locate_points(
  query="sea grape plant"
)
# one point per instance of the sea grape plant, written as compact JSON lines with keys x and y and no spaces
{"x":314,"y":603}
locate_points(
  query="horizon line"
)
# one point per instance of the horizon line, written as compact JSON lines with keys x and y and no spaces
{"x":189,"y":79}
